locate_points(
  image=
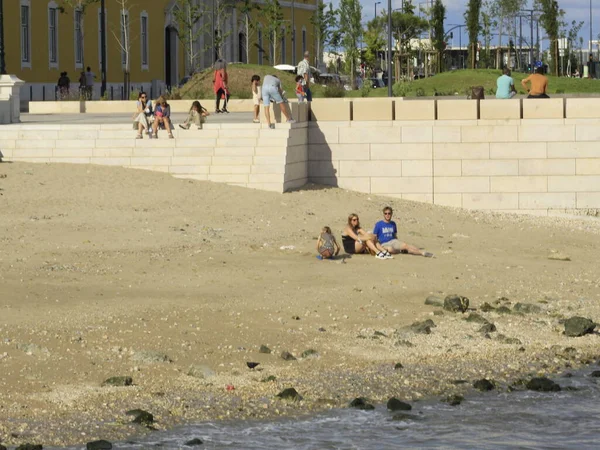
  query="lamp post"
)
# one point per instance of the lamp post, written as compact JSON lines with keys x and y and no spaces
{"x":376,"y":3}
{"x":389,"y":49}
{"x":2,"y":61}
{"x":293,"y":36}
{"x":103,"y":47}
{"x":591,"y":26}
{"x":214,"y":48}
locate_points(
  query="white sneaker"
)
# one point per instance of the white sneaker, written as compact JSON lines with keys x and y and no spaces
{"x":388,"y":255}
{"x":380,"y":255}
{"x":291,"y":121}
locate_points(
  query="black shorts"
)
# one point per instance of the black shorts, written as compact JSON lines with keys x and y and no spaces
{"x":349,"y":245}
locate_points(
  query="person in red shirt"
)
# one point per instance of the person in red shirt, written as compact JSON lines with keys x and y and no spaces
{"x":220,"y":80}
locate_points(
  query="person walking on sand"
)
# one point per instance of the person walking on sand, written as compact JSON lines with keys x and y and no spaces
{"x":271,"y":91}
{"x":539,"y":84}
{"x":356,"y":240}
{"x":505,"y":85}
{"x":387,"y":235}
{"x":303,"y":70}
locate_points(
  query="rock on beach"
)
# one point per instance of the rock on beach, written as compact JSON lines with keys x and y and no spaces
{"x":542,"y":384}
{"x":456,"y":303}
{"x":578,"y":326}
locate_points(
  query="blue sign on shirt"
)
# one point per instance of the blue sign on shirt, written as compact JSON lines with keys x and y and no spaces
{"x":385,"y":231}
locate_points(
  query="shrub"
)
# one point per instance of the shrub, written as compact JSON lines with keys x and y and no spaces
{"x":401,"y":89}
{"x":420,"y":92}
{"x":365,"y":90}
{"x":133,"y":95}
{"x":334,"y":91}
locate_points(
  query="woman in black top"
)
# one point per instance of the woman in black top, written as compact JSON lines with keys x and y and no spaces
{"x":357,"y":240}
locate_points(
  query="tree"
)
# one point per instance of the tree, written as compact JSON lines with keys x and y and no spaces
{"x":550,"y":20}
{"x":505,"y":11}
{"x":326,"y":31}
{"x":472,"y":21}
{"x":351,"y":30}
{"x":406,"y":26}
{"x":246,"y":9}
{"x":438,"y":15}
{"x":374,"y":40}
{"x":123,"y":38}
{"x":79,"y":9}
{"x":187,"y":15}
{"x":274,"y":17}
{"x":222,"y":14}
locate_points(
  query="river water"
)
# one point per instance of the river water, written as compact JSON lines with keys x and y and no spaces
{"x":494,"y":420}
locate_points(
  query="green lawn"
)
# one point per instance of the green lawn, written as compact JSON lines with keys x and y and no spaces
{"x":458,"y":82}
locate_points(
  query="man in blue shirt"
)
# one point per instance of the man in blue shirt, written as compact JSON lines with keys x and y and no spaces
{"x":387,"y":235}
{"x":505,"y":86}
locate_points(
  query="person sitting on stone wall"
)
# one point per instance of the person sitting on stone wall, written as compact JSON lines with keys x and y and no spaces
{"x":539,"y":84}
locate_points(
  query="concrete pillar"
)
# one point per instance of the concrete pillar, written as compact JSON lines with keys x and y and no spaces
{"x":10,"y":91}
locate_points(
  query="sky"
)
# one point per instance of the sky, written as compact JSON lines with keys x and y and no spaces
{"x":578,"y":10}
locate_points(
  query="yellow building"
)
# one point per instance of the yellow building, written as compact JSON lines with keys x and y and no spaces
{"x":44,"y":38}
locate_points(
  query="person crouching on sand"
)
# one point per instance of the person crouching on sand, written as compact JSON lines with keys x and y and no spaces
{"x":327,"y":246}
{"x":387,"y":235}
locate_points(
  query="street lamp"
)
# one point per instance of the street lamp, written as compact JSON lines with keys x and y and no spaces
{"x":389,"y":49}
{"x":591,"y":26}
{"x":2,"y":62}
{"x":293,"y":36}
{"x":376,"y":3}
{"x":103,"y":47}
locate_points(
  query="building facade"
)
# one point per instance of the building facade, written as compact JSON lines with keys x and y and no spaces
{"x":44,"y":38}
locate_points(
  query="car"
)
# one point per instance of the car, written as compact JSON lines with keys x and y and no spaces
{"x":327,"y":79}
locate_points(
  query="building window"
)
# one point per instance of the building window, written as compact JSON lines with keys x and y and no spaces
{"x":144,"y":39}
{"x":260,"y":46}
{"x":78,"y":38}
{"x":282,"y":45}
{"x":25,"y":36}
{"x":303,"y":41}
{"x":53,"y":35}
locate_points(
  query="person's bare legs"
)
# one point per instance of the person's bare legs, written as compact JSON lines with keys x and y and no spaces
{"x":256,"y":111}
{"x":405,"y":248}
{"x":140,"y":128}
{"x":155,"y":127}
{"x":167,"y":123}
{"x":268,"y":114}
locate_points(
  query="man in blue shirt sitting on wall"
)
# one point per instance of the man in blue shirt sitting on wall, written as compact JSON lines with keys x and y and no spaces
{"x":387,"y":235}
{"x":505,"y":85}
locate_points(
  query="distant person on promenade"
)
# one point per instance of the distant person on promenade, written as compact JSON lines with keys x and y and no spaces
{"x":82,"y":85}
{"x":64,"y":84}
{"x":539,"y":84}
{"x":90,"y":77}
{"x":387,"y":235}
{"x":220,"y":83}
{"x":256,"y":96}
{"x":505,"y":85}
{"x":591,"y":67}
{"x":303,"y":70}
{"x":162,"y":117}
{"x":356,"y":240}
{"x":271,"y":91}
{"x":142,"y":118}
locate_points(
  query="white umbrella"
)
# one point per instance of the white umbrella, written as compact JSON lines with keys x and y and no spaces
{"x":285,"y":67}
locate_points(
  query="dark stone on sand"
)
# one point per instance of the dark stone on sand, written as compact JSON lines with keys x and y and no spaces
{"x":30,"y":447}
{"x":423,"y":327}
{"x":486,"y":307}
{"x":542,"y":384}
{"x":287,"y":356}
{"x":527,"y":308}
{"x":194,"y":442}
{"x":98,"y":445}
{"x":456,"y":303}
{"x":457,"y":382}
{"x":310,"y":353}
{"x":432,"y":300}
{"x":503,"y":310}
{"x":578,"y":326}
{"x":361,"y":403}
{"x":595,"y":374}
{"x":474,"y":317}
{"x":487,"y":328}
{"x":398,"y":366}
{"x":454,"y":399}
{"x":483,"y":385}
{"x":394,"y":404}
{"x":264,"y":349}
{"x":289,"y":394}
{"x":140,"y":416}
{"x":118,"y":381}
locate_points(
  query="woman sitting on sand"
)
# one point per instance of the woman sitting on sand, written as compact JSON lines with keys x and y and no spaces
{"x":356,"y":240}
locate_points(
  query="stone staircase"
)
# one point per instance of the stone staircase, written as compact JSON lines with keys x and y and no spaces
{"x":248,"y":155}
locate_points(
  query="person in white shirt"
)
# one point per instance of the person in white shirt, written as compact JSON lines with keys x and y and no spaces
{"x":89,"y":83}
{"x":303,"y":70}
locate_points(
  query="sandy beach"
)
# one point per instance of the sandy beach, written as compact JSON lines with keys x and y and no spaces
{"x":177,"y":283}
